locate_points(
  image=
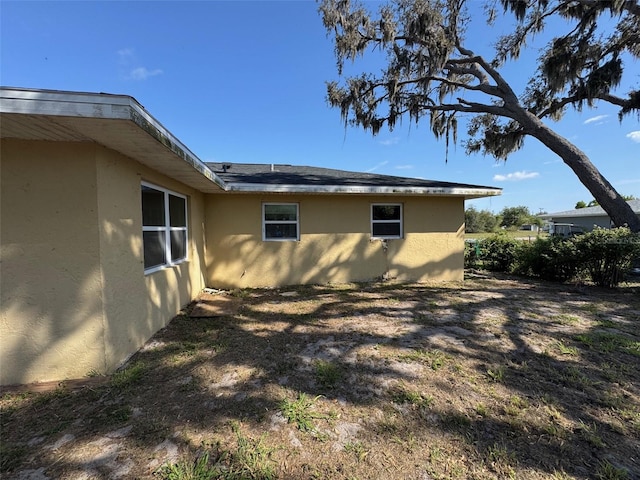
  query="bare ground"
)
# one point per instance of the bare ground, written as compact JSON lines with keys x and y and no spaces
{"x":496,"y":377}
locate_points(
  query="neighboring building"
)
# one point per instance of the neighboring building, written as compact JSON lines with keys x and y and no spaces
{"x":582,"y":219}
{"x":109,"y":225}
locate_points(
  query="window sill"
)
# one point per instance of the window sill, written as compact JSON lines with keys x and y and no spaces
{"x":159,"y":268}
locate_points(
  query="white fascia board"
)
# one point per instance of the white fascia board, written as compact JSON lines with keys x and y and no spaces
{"x":68,"y":104}
{"x":381,"y":190}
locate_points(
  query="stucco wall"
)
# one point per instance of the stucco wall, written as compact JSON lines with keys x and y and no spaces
{"x":335,"y":241}
{"x":137,"y":305}
{"x":74,"y":297}
{"x":51,"y":320}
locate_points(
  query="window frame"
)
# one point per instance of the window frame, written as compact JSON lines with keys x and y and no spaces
{"x":266,"y":222}
{"x":400,"y":221}
{"x":167,"y":229}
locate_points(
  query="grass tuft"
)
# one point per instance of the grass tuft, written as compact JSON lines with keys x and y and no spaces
{"x":328,"y":374}
{"x":300,"y":412}
{"x":129,"y":376}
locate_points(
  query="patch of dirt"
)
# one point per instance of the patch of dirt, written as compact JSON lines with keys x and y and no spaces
{"x":496,"y":377}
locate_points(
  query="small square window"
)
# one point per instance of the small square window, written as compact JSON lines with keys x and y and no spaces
{"x":280,"y":221}
{"x":386,"y":220}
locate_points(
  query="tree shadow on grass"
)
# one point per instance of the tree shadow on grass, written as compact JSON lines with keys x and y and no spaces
{"x":484,"y":378}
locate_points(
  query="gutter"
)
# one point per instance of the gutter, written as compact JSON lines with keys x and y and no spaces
{"x":378,"y":190}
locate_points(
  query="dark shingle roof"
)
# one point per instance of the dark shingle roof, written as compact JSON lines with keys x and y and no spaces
{"x":302,"y":176}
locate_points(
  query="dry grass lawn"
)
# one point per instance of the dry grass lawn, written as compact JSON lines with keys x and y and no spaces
{"x":496,"y":377}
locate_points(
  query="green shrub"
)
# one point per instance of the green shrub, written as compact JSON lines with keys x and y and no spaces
{"x":472,"y":254}
{"x":607,"y":255}
{"x":500,"y":252}
{"x":552,"y":258}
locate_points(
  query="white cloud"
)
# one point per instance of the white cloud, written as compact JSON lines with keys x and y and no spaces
{"x":404,"y":167}
{"x":634,"y":136}
{"x":125,"y":53}
{"x":389,"y":142}
{"x":376,"y":167}
{"x":597,"y":119}
{"x":516,"y":176}
{"x":142,"y":73}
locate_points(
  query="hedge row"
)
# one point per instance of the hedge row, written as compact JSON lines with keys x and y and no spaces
{"x":602,"y":256}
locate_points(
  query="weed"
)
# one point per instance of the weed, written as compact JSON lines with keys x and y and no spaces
{"x":576,"y":378}
{"x":612,"y":399}
{"x":585,"y":339}
{"x":434,"y":358}
{"x":501,"y":459}
{"x":410,"y":443}
{"x":614,"y":372}
{"x":496,"y":374}
{"x":481,"y":409}
{"x":300,"y":411}
{"x":631,"y":417}
{"x":566,"y":350}
{"x":48,"y":397}
{"x":119,"y":414}
{"x":590,"y":434}
{"x":357,"y":449}
{"x":560,"y":475}
{"x":242,"y":293}
{"x":605,"y":323}
{"x":435,"y":454}
{"x":554,"y":430}
{"x":606,"y":471}
{"x":251,"y":460}
{"x":632,"y":348}
{"x":516,"y":405}
{"x":191,"y":470}
{"x":129,"y":376}
{"x":327,"y":374}
{"x":416,"y":399}
{"x":566,"y":319}
{"x":607,"y":342}
{"x":188,"y":349}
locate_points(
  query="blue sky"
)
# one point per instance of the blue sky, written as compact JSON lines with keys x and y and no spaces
{"x":245,"y":82}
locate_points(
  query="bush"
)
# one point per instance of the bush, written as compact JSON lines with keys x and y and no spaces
{"x":472,"y":255}
{"x":607,"y":255}
{"x":500,"y":252}
{"x":552,"y":258}
{"x":602,"y":256}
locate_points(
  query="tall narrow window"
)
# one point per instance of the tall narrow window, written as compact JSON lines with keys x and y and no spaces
{"x":280,"y":221}
{"x":164,"y":227}
{"x":386,"y":220}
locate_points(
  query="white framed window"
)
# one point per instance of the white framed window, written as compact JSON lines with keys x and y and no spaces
{"x":164,"y":227}
{"x":386,"y":220}
{"x":280,"y":222}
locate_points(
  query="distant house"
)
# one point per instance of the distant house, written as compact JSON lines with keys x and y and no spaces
{"x":109,"y":225}
{"x":583,"y":219}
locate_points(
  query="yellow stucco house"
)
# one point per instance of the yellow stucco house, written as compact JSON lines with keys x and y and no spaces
{"x":109,"y":225}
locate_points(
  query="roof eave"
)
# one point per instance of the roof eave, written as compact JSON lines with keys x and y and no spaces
{"x":123,"y":108}
{"x":467,"y":193}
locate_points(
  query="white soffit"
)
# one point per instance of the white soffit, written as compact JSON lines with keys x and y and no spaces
{"x":118,"y":122}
